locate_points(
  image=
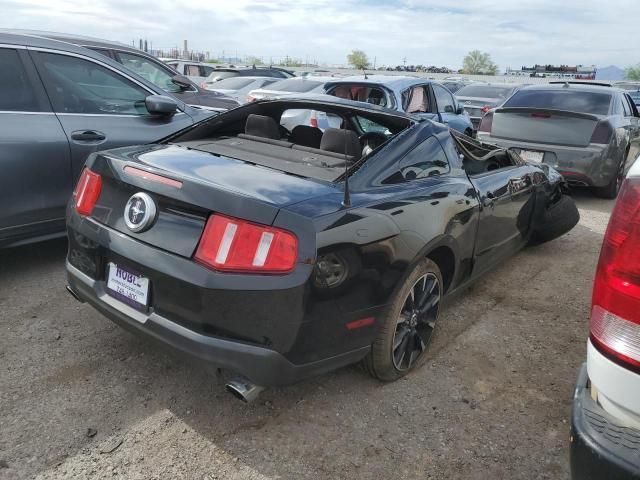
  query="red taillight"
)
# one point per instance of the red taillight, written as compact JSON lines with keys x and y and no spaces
{"x":615,"y":314}
{"x":485,"y":109}
{"x":602,"y":133}
{"x":87,"y":191}
{"x":486,"y":123}
{"x":233,"y":245}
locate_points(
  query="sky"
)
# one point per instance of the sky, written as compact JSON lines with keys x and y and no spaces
{"x":428,"y":32}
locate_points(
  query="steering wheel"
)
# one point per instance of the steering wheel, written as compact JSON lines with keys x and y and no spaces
{"x":372,"y":139}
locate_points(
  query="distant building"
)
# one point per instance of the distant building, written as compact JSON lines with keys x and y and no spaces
{"x":580,"y":72}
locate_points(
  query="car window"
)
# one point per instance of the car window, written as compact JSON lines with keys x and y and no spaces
{"x":206,"y":71}
{"x":293,"y":117}
{"x":635,"y":96}
{"x":444,"y":99}
{"x":175,"y":66}
{"x":367,"y":125}
{"x":562,"y":99}
{"x":628,"y":111}
{"x":361,"y":93}
{"x":16,"y":92}
{"x":75,"y":85}
{"x":425,"y":161}
{"x":193,"y":70}
{"x":416,"y":99}
{"x":485,"y":91}
{"x":295,"y":85}
{"x":149,"y":70}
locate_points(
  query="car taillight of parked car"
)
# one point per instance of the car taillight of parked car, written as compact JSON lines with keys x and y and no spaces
{"x":615,"y":312}
{"x":87,"y":192}
{"x":486,"y":123}
{"x":233,"y":245}
{"x":602,"y":133}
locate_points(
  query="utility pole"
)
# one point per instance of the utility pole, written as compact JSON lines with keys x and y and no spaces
{"x":404,"y":61}
{"x":374,"y":62}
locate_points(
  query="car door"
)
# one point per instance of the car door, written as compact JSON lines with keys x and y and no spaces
{"x":632,"y":125}
{"x":99,"y":106}
{"x":507,"y":204}
{"x":35,"y":166}
{"x":447,"y":109}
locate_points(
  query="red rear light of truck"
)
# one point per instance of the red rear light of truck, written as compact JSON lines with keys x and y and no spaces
{"x":486,"y":123}
{"x":233,"y":245}
{"x":615,"y":313}
{"x":87,"y":191}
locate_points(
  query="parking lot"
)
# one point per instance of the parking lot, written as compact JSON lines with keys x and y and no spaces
{"x":82,"y":398}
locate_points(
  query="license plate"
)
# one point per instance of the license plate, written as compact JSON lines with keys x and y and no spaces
{"x":530,"y":156}
{"x":127,"y":286}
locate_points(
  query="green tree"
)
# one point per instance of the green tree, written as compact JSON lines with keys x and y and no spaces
{"x":479,"y":63}
{"x":358,"y":59}
{"x":632,"y":73}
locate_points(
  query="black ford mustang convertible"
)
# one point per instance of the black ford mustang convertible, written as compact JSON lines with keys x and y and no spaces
{"x":279,"y":254}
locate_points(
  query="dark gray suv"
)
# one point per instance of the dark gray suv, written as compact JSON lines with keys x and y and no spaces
{"x":58,"y":104}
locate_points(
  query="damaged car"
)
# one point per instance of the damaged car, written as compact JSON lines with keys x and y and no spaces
{"x":275,"y":256}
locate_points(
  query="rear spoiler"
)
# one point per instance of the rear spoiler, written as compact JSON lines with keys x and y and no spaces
{"x":549,"y":111}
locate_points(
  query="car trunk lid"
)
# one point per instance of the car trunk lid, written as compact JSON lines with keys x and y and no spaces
{"x":187,"y":186}
{"x":547,"y":126}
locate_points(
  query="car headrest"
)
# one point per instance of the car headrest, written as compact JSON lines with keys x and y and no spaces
{"x":342,"y":141}
{"x":306,"y":135}
{"x":262,"y":126}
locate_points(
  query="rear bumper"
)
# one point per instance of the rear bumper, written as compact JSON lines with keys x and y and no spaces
{"x":600,"y":448}
{"x":261,"y":365}
{"x":587,"y":166}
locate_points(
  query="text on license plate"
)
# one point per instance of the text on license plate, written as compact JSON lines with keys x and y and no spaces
{"x":530,"y":156}
{"x":127,"y":286}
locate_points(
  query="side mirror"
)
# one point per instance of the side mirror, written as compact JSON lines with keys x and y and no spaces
{"x":459,"y":110}
{"x":183,"y":82}
{"x":160,"y":105}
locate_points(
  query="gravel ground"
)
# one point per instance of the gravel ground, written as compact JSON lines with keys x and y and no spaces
{"x":81,"y":398}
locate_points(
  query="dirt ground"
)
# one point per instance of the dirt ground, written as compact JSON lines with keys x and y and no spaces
{"x":81,"y":398}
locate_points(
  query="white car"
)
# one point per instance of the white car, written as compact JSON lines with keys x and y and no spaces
{"x":196,"y":71}
{"x":605,"y":427}
{"x":290,"y":86}
{"x":236,"y":87}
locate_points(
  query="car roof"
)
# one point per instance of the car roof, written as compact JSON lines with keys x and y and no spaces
{"x":32,"y":40}
{"x":572,"y":86}
{"x":395,"y":82}
{"x":75,"y":39}
{"x":494,"y":84}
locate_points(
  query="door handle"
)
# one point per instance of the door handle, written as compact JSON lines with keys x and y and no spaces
{"x":88,"y":136}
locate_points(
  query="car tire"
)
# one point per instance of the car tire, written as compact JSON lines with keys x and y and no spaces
{"x":404,"y":328}
{"x":559,"y":218}
{"x":611,"y":190}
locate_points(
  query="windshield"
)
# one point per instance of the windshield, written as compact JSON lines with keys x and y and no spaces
{"x":295,"y":85}
{"x":234,"y":83}
{"x":565,"y":99}
{"x":485,"y":91}
{"x":150,"y":71}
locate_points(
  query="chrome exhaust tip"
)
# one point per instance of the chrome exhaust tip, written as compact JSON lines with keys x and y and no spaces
{"x":74,"y":294}
{"x":243,"y":389}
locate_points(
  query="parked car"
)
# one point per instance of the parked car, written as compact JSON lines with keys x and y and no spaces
{"x":479,"y":98}
{"x":58,"y":104}
{"x":605,"y":423}
{"x":237,"y":87}
{"x":148,"y":67}
{"x":632,"y":88}
{"x":275,"y":72}
{"x":589,"y":133}
{"x":248,"y":248}
{"x":289,"y":86}
{"x":197,"y":72}
{"x":419,"y":96}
